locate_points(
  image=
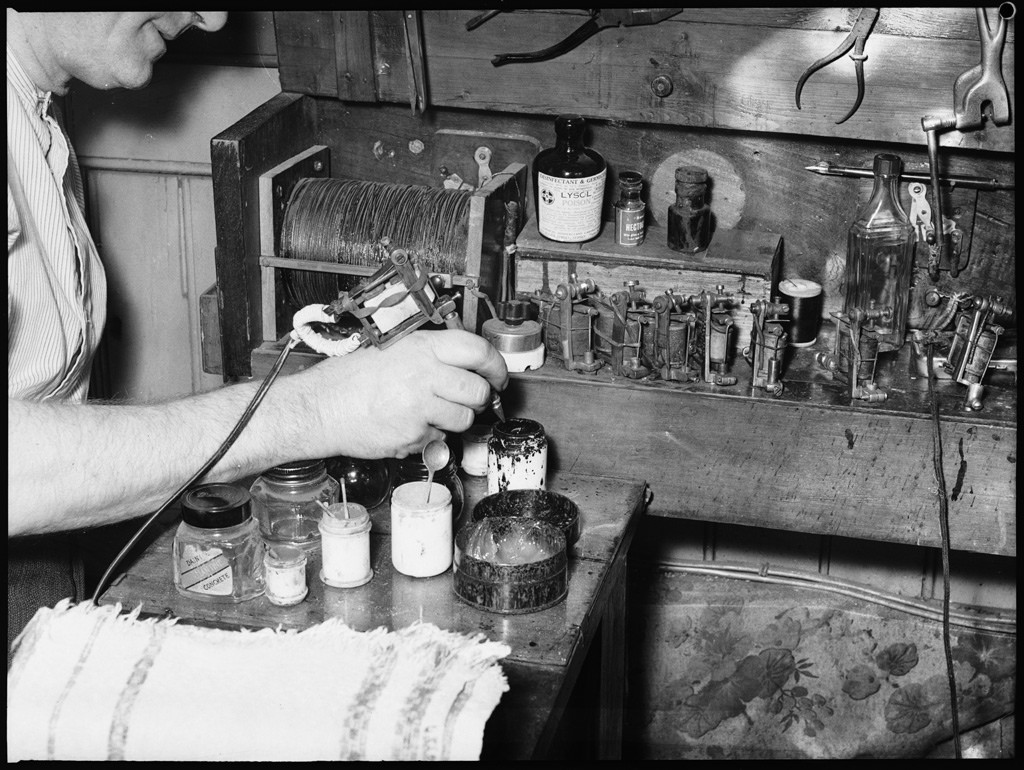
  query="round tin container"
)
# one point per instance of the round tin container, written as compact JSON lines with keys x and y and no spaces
{"x":538,"y":504}
{"x":529,"y":581}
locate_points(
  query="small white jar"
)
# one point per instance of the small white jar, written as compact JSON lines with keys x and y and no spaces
{"x":345,"y":543}
{"x":422,"y":543}
{"x":284,"y":570}
{"x":474,"y":450}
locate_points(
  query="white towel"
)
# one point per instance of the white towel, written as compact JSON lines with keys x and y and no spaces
{"x":90,"y":683}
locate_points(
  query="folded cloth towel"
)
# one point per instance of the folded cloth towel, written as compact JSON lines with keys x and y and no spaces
{"x":88,"y":682}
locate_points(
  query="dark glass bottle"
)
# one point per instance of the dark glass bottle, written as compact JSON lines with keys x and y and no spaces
{"x":689,"y":218}
{"x":629,"y":210}
{"x":568,"y":185}
{"x":879,"y":255}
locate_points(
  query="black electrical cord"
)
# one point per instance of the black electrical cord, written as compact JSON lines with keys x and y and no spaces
{"x":221,"y":451}
{"x":940,"y":478}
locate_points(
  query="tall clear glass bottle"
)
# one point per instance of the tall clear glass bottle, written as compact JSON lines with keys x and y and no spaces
{"x":879,"y":256}
{"x":568,"y":185}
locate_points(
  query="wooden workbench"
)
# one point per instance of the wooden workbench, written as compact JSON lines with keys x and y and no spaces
{"x":549,"y":648}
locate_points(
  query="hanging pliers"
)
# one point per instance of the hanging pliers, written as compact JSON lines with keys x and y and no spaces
{"x":599,"y":19}
{"x":856,"y":39}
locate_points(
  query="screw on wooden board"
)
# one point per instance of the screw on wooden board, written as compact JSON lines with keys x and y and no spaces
{"x":662,"y":86}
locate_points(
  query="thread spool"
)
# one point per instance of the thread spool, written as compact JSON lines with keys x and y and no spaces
{"x":344,"y":220}
{"x":804,"y":299}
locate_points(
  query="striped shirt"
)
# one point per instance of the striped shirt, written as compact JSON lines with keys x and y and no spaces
{"x":56,"y":288}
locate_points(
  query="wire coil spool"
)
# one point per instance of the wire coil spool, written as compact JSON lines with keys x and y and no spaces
{"x":345,"y":221}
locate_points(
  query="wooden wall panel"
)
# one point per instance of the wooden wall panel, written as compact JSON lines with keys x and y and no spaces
{"x":736,"y":73}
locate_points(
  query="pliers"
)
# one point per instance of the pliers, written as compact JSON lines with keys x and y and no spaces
{"x":599,"y":19}
{"x":856,"y":39}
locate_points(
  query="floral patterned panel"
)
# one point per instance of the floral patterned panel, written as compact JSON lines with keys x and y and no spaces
{"x":728,"y":668}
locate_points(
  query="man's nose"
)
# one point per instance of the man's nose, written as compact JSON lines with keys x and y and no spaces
{"x":211,"y":21}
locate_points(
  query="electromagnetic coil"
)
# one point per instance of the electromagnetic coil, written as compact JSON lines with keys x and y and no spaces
{"x":356,"y":222}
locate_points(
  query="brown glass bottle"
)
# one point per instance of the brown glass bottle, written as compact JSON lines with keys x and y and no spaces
{"x":568,"y":185}
{"x":689,"y":218}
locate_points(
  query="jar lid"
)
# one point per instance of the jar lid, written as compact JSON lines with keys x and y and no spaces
{"x":691,"y":174}
{"x":298,"y":470}
{"x":799,"y":287}
{"x":216,"y":506}
{"x":335,"y":520}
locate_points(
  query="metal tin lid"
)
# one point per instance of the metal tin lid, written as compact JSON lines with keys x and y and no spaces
{"x":299,"y":470}
{"x":799,"y":287}
{"x":216,"y":506}
{"x":526,"y":335}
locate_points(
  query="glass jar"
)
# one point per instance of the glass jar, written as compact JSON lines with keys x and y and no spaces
{"x":517,"y":456}
{"x":689,"y":218}
{"x":286,"y":502}
{"x":345,"y":535}
{"x":422,"y":541}
{"x":217,"y":552}
{"x":284,"y":570}
{"x":629,"y":210}
{"x":879,"y":255}
{"x":367,"y":482}
{"x":412,"y":469}
{"x":568,"y":185}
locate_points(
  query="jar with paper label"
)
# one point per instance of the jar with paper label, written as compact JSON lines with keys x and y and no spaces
{"x":568,"y":185}
{"x":217,"y":553}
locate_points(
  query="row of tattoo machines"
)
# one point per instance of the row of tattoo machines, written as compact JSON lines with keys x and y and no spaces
{"x":678,"y":338}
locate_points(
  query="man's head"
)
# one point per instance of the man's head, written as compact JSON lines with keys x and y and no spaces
{"x":103,"y":50}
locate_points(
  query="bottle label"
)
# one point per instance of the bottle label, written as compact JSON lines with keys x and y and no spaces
{"x":569,"y":210}
{"x":629,"y":226}
{"x":205,"y":571}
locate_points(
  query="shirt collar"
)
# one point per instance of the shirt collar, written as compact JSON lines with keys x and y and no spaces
{"x":35,"y":100}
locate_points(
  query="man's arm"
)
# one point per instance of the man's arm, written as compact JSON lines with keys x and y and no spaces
{"x":73,"y":466}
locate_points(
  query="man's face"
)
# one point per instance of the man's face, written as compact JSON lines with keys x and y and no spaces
{"x":117,"y":50}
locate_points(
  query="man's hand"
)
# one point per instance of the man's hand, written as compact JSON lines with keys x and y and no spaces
{"x":390,"y":402}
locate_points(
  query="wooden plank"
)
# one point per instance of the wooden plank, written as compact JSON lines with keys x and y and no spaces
{"x":846,"y":471}
{"x":306,"y":52}
{"x":209,"y":332}
{"x":740,"y":75}
{"x":276,"y":130}
{"x":353,"y":34}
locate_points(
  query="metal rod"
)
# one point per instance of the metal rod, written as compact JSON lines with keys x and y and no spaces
{"x":953,"y":180}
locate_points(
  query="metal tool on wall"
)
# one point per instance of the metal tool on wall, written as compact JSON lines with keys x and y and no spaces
{"x":599,"y":19}
{"x":856,"y":39}
{"x":979,"y":95}
{"x":767,"y":346}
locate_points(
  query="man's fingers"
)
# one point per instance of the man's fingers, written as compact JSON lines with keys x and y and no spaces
{"x":471,"y":352}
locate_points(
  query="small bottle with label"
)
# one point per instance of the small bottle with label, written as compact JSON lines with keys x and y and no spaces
{"x":630,"y":211}
{"x":568,"y":185}
{"x":217,"y":553}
